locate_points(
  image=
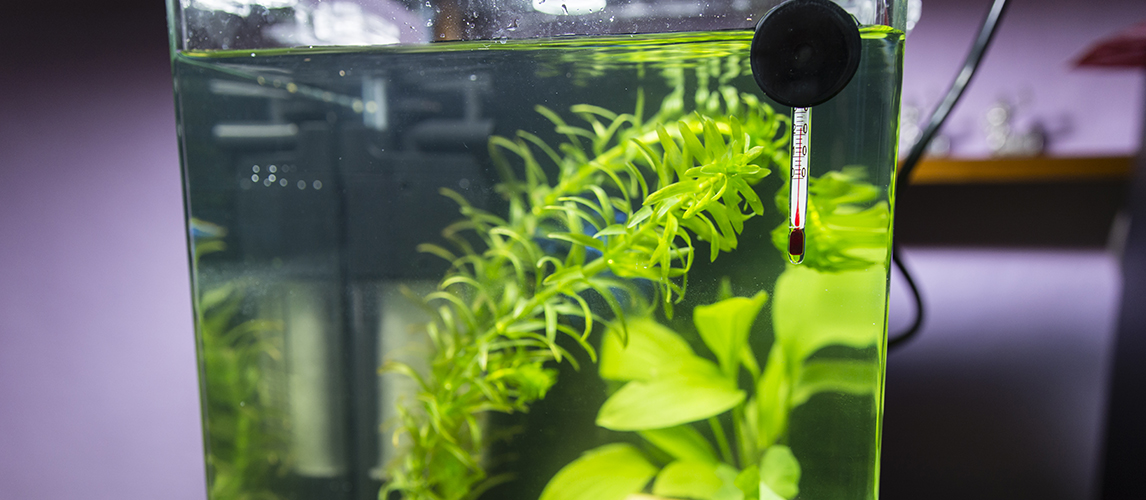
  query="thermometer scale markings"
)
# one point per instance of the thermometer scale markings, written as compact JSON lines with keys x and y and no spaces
{"x":798,"y":194}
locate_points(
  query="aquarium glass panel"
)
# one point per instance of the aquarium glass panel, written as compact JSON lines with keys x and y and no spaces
{"x":548,"y":268}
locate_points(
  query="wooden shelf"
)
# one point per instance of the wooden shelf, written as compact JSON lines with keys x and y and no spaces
{"x":1027,"y":202}
{"x":1022,"y":170}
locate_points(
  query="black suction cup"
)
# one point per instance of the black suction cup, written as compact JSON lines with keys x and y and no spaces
{"x":805,"y":52}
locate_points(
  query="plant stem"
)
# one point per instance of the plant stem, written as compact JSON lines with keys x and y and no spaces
{"x":743,"y":454}
{"x":721,"y":439}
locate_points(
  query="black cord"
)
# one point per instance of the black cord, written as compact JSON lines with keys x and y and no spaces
{"x":986,"y":33}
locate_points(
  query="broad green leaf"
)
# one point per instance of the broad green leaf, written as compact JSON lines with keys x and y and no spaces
{"x":664,"y":402}
{"x":683,"y":442}
{"x":812,"y":310}
{"x":697,"y":480}
{"x":748,"y":482}
{"x":728,"y":489}
{"x":610,"y":472}
{"x":779,"y":473}
{"x":724,"y":327}
{"x":653,"y":351}
{"x":687,"y":479}
{"x":772,"y":398}
{"x":844,"y":376}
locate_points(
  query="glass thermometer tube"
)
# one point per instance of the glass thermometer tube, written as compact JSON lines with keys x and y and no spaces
{"x":798,"y":193}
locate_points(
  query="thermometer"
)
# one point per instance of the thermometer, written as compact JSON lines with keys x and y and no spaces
{"x":803,"y":53}
{"x":798,"y":193}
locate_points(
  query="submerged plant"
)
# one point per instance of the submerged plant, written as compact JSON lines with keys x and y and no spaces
{"x":247,"y":441}
{"x":670,"y":394}
{"x":633,"y":200}
{"x":680,"y":404}
{"x":848,"y":229}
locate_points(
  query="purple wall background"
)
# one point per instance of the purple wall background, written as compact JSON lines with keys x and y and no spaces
{"x":98,"y":396}
{"x":1087,"y":111}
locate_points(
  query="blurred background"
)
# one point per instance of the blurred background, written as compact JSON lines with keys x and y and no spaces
{"x":1005,"y":394}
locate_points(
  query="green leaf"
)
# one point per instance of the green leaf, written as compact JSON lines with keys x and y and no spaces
{"x":685,"y":397}
{"x":844,"y":376}
{"x":748,"y":481}
{"x":812,"y":310}
{"x":682,"y":442}
{"x":685,"y":479}
{"x":565,"y":275}
{"x":772,"y":398}
{"x":579,"y":239}
{"x":653,"y":351}
{"x":724,"y":327}
{"x":610,"y":472}
{"x":728,"y":489}
{"x":613,"y":230}
{"x":779,"y":473}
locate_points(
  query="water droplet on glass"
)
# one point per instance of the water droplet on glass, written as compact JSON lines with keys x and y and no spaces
{"x":283,"y":182}
{"x":272,"y":169}
{"x":254,"y":177}
{"x":473,"y":78}
{"x":317,"y":184}
{"x":255,"y":169}
{"x":301,"y":185}
{"x":266,"y":182}
{"x":271,"y":177}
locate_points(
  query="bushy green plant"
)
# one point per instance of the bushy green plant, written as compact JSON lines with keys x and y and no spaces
{"x":633,"y":198}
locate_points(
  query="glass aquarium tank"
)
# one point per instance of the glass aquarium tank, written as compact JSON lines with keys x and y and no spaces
{"x":531,"y":249}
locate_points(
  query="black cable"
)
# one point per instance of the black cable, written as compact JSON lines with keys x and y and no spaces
{"x":938,"y":117}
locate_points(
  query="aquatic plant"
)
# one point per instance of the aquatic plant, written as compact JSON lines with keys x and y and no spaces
{"x":668,"y":391}
{"x":851,"y":227}
{"x":633,"y":200}
{"x":680,"y":404}
{"x":246,"y":442}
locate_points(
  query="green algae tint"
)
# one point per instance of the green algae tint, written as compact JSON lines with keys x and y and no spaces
{"x":545,"y":269}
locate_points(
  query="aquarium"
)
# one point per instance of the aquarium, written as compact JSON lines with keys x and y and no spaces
{"x":540,"y":267}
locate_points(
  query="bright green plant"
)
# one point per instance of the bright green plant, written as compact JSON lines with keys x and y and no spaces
{"x":668,"y":389}
{"x":630,"y":198}
{"x":848,"y":229}
{"x":670,"y":394}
